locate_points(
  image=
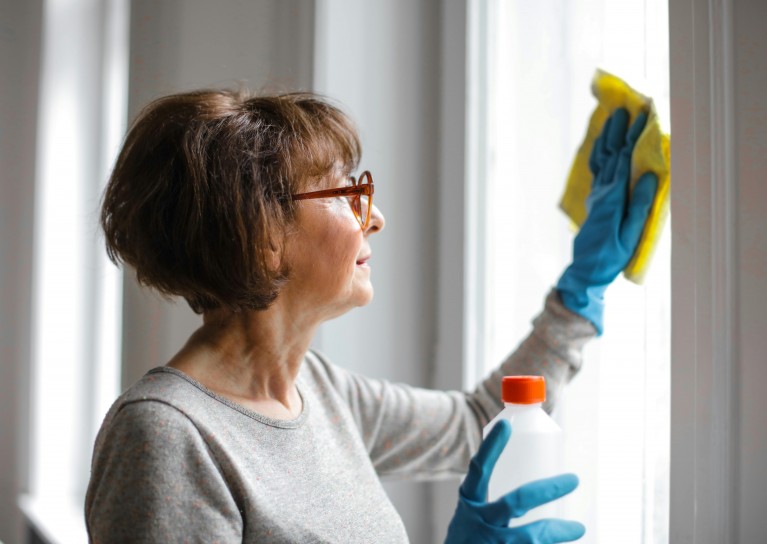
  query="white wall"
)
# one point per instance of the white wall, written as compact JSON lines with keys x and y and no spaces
{"x":188,"y":44}
{"x":448,"y":370}
{"x":20,"y":28}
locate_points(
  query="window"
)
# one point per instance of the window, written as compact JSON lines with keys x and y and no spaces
{"x":532,"y":104}
{"x":76,"y":290}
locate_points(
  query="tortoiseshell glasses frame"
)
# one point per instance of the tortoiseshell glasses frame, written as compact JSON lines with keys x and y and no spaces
{"x":360,"y":195}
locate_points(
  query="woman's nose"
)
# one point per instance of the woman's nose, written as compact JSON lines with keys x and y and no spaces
{"x":377,"y":221}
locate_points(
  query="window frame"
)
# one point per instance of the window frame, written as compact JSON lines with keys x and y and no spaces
{"x":703,"y":447}
{"x":704,"y":418}
{"x":76,"y":290}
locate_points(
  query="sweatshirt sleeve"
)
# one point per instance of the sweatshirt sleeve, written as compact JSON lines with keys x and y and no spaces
{"x":423,"y":434}
{"x":153,"y":480}
{"x":553,"y":349}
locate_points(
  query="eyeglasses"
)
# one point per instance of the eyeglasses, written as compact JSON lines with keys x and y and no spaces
{"x":360,"y":195}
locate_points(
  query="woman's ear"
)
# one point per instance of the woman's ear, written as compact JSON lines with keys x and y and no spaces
{"x":278,"y":255}
{"x":274,"y":255}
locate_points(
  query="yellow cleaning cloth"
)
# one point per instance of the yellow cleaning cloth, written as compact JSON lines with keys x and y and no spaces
{"x":651,"y":154}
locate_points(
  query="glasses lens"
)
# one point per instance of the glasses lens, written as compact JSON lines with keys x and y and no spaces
{"x":364,"y":201}
{"x":354,"y":202}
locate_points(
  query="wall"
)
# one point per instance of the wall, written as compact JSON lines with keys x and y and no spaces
{"x":453,"y":315}
{"x":187,"y":44}
{"x":20,"y":28}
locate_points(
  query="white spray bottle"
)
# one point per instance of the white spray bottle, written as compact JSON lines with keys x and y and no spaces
{"x":534,"y":450}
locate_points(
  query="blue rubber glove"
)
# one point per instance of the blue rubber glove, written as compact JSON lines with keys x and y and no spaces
{"x":609,"y":236}
{"x":477,"y":521}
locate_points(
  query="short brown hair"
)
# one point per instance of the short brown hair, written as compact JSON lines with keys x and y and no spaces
{"x":199,"y":199}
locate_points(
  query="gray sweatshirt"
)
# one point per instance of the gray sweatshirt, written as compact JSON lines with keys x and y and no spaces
{"x":174,"y":462}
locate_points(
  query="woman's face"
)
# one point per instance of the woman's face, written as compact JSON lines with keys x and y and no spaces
{"x":329,"y":254}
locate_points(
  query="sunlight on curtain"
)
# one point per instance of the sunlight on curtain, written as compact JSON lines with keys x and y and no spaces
{"x":541,"y":57}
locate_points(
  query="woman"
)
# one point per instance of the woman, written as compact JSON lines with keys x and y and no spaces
{"x":247,"y":208}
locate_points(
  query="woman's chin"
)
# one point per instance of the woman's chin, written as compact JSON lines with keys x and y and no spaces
{"x":363,"y":293}
{"x":361,"y":297}
{"x":365,"y":296}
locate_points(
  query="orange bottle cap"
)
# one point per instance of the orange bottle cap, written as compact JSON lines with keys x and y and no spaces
{"x":523,"y":389}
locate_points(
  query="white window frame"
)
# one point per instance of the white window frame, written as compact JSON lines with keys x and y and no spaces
{"x":77,"y":292}
{"x":704,"y":346}
{"x":703,"y":418}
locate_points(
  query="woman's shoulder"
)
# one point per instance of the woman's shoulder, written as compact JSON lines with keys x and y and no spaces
{"x":162,"y":394}
{"x":156,"y":385}
{"x":331,"y":379}
{"x":165,"y":385}
{"x":322,"y":373}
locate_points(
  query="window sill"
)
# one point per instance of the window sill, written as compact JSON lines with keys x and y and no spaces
{"x":58,"y":520}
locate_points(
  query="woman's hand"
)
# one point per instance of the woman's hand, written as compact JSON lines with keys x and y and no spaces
{"x":479,"y":522}
{"x":609,"y":236}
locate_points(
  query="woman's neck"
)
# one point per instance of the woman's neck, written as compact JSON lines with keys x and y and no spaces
{"x":251,"y":358}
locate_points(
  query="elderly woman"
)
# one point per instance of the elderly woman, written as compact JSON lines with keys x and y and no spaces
{"x":247,"y":208}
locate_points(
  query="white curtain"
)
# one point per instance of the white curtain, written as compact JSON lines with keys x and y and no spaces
{"x":540,"y":59}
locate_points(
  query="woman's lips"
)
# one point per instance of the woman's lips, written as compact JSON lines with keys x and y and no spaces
{"x":363,"y":261}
